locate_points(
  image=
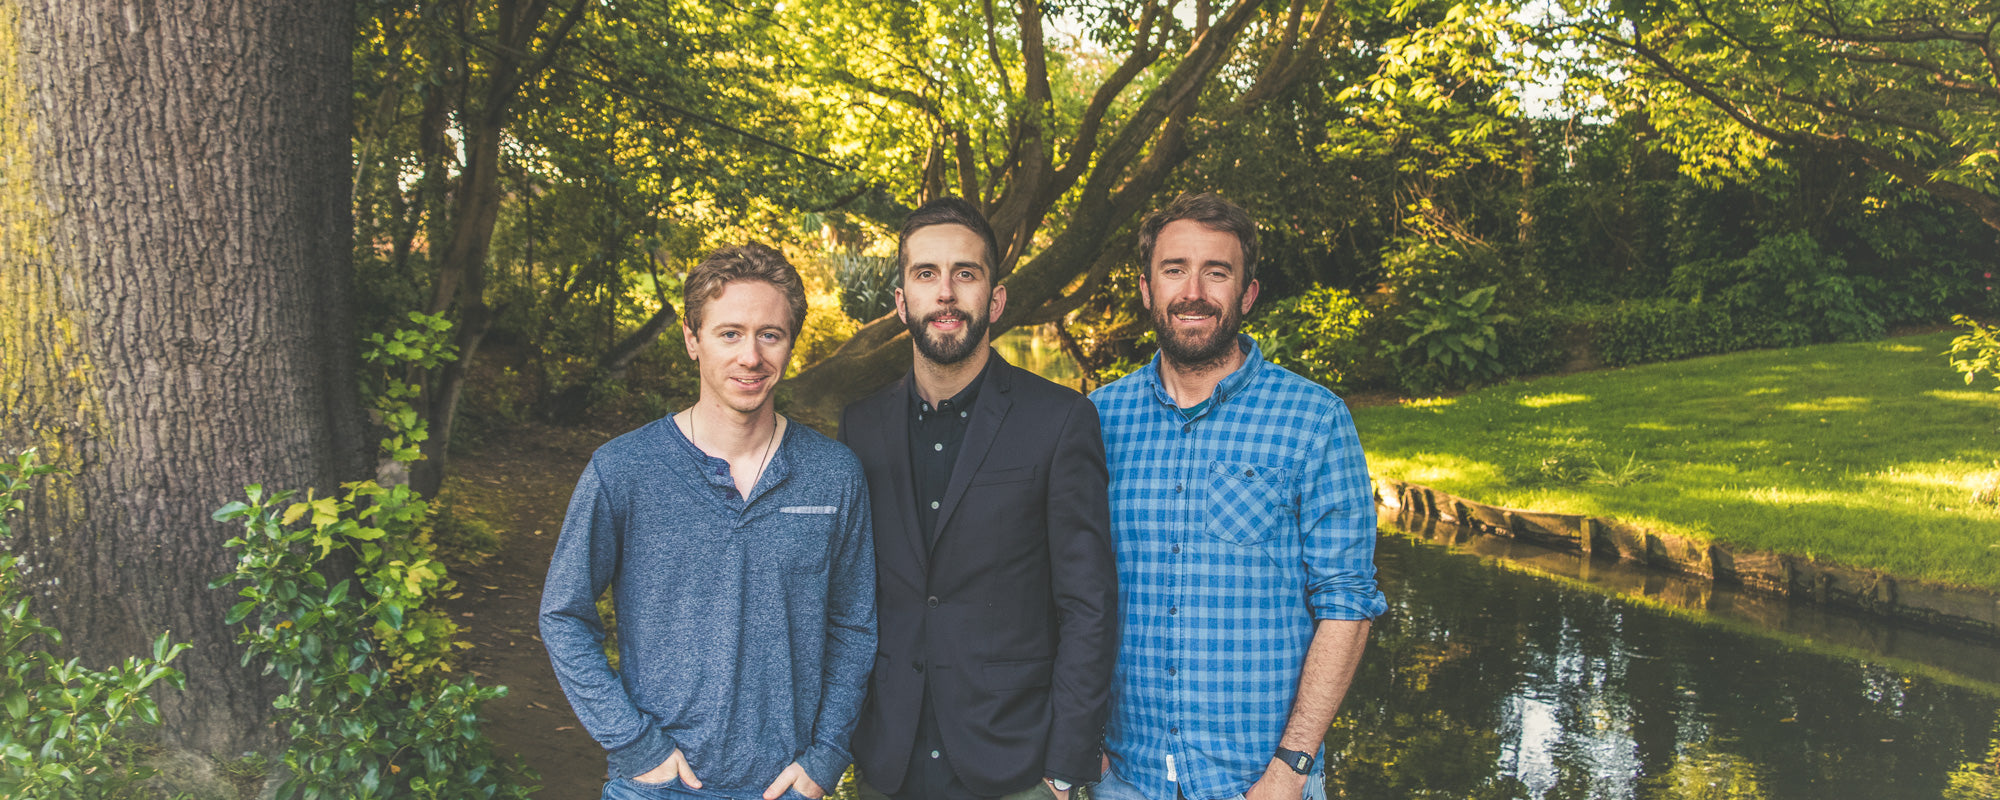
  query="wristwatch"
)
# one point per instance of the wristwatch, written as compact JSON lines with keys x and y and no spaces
{"x":1301,"y":763}
{"x":1058,"y":784}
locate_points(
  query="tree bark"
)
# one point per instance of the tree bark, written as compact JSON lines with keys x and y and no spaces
{"x":175,"y":229}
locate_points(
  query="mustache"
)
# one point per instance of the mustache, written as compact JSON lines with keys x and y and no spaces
{"x":1194,"y":306}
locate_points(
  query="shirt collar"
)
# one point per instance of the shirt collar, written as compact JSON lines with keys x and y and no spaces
{"x":1253,"y":359}
{"x":958,"y":402}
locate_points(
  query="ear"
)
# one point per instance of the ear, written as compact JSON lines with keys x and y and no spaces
{"x":1146,"y":291}
{"x":1249,"y":296}
{"x":902,"y":312}
{"x":997,"y":303}
{"x":687,"y":335}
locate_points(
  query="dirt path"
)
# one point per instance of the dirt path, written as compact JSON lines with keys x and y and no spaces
{"x":520,"y":483}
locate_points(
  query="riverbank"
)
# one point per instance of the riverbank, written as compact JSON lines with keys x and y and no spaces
{"x":1863,"y":455}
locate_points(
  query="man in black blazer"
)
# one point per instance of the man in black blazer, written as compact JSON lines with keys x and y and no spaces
{"x":996,"y":588}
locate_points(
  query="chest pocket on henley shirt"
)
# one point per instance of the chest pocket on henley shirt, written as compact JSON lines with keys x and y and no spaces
{"x":797,"y":539}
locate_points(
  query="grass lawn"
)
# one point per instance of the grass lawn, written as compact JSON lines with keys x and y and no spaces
{"x":1862,"y":454}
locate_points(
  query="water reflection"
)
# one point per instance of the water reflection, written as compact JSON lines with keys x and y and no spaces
{"x":1034,"y":350}
{"x":1484,"y":681}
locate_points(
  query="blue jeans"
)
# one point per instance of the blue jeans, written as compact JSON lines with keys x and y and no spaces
{"x":628,"y":789}
{"x":1112,"y":787}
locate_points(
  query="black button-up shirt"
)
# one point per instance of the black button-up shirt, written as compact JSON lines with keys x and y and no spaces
{"x":936,"y":435}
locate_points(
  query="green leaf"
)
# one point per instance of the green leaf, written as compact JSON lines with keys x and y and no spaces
{"x":239,"y":611}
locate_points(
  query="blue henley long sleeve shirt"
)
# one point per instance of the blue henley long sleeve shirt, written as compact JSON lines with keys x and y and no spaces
{"x":746,"y":626}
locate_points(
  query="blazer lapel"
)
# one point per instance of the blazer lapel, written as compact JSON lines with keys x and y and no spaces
{"x":896,"y":434}
{"x":988,"y":412}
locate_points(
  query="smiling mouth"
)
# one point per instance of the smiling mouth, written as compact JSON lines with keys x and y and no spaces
{"x":947,"y":320}
{"x":751,"y":381}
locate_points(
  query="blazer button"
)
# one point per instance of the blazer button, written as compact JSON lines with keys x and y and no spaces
{"x":931,"y":601}
{"x":917,"y":665}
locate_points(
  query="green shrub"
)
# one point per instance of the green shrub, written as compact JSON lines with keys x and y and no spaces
{"x":1796,"y":292}
{"x":367,"y":708}
{"x":66,"y":727}
{"x":867,"y":283}
{"x":1317,"y":334}
{"x":1977,"y":351}
{"x":1454,"y":343}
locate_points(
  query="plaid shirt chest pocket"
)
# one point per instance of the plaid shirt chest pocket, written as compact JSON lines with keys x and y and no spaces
{"x":1248,"y":504}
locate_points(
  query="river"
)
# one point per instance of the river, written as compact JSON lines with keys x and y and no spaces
{"x":1509,"y":671}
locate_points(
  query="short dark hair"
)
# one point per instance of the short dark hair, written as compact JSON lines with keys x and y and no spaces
{"x":949,"y":210}
{"x":747,"y":262}
{"x":1214,"y":213}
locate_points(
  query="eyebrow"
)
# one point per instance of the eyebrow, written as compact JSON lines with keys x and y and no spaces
{"x":972,"y":264}
{"x":1213,"y":262}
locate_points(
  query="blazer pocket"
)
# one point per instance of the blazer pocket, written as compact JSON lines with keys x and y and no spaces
{"x":999,"y":476}
{"x":1019,"y":674}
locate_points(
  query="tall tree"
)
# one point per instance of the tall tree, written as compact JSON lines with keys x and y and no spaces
{"x":174,"y":315}
{"x":1910,"y":87}
{"x":1009,"y":135}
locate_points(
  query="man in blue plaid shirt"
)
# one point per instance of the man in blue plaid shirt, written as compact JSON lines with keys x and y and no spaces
{"x":1246,"y":537}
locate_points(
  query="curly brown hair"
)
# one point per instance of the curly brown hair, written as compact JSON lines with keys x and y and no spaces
{"x":746,"y":262}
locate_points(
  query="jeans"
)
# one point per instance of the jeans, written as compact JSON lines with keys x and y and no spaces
{"x":1113,"y":787}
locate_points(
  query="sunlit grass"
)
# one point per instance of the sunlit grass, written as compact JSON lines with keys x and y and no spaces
{"x":1865,"y":454}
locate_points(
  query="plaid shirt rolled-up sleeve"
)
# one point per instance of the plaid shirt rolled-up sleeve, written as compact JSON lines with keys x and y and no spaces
{"x":1237,"y":527}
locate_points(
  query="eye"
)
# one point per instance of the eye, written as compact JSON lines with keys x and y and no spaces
{"x":925,"y":273}
{"x":771,"y":337}
{"x":967,"y":275}
{"x":1218,"y":274}
{"x":728,"y":336}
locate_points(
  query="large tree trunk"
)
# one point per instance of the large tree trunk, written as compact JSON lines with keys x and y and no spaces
{"x":174,"y":321}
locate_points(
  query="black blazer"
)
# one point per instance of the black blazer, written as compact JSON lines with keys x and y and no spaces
{"x":1011,"y":617}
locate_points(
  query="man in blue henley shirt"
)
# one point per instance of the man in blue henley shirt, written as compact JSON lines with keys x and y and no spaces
{"x":740,"y":560}
{"x":1245,"y":531}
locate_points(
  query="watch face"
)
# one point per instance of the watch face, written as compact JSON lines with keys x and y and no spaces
{"x":1303,"y":763}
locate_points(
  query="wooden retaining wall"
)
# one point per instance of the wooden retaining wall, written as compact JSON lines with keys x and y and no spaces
{"x":1965,"y":610}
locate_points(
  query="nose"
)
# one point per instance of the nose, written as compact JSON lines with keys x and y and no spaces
{"x":947,"y":292}
{"x":1189,"y":289}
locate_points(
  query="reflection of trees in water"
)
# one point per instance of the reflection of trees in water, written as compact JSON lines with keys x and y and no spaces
{"x":1977,"y":780}
{"x":1702,"y":772}
{"x":1484,"y":683}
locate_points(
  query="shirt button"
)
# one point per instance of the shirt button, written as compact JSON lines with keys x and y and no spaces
{"x":1172,"y":610}
{"x":961,"y":414}
{"x":931,"y":601}
{"x":1175,"y":730}
{"x":1171,"y":672}
{"x":1177,"y":548}
{"x":934,"y":754}
{"x":934,"y":505}
{"x":939,"y":446}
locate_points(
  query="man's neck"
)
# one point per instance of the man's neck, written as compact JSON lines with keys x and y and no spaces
{"x":937,"y":383}
{"x":1191,"y":384}
{"x":726,"y":433}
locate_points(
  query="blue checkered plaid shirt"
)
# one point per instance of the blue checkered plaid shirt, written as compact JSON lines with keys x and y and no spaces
{"x":1236,"y":529}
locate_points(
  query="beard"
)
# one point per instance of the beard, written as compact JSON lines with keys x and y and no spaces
{"x":941,"y":350}
{"x":1192,"y":350}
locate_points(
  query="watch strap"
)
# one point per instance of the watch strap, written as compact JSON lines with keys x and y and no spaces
{"x":1299,"y":762}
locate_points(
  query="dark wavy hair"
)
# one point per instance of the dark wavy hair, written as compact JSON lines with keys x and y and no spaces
{"x":1214,"y":213}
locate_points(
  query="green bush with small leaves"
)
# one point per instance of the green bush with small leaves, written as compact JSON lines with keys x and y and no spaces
{"x":368,"y":708}
{"x":1317,"y":334}
{"x":68,"y":728}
